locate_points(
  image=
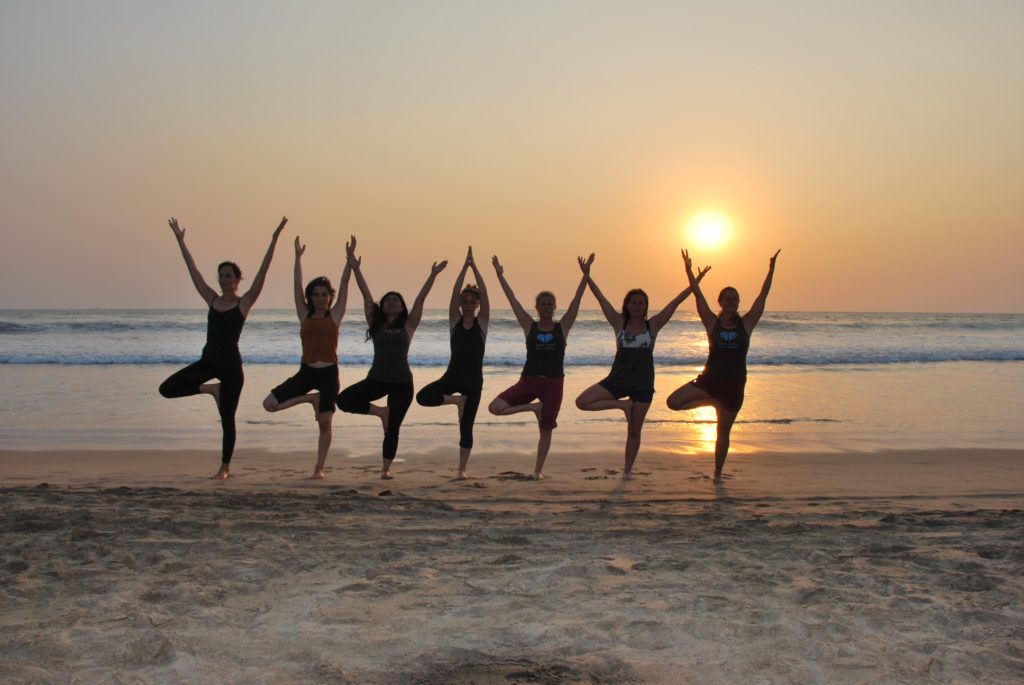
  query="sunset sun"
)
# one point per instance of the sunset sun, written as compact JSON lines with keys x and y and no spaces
{"x":708,"y":230}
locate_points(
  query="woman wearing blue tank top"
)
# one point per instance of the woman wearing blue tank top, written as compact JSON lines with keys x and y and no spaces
{"x":629,"y":386}
{"x":463,"y":380}
{"x":221,"y":358}
{"x":722,"y":382}
{"x":391,"y":327}
{"x":543,"y":374}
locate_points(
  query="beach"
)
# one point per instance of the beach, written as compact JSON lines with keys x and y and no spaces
{"x":868,"y":530}
{"x":132,"y":567}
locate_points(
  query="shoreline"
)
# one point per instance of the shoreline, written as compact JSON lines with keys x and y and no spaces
{"x":941,"y":477}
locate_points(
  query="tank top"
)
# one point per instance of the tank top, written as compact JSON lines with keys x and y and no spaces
{"x":319,"y":340}
{"x":727,"y":351}
{"x":633,"y":367}
{"x":390,"y":356}
{"x":222,"y":332}
{"x":466,"y":367}
{"x":545,"y":352}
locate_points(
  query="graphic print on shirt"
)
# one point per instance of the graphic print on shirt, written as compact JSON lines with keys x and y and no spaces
{"x":727,"y":340}
{"x":546,"y":341}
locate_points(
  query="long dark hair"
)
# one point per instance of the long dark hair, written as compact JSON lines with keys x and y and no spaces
{"x":318,"y":281}
{"x":380,"y":320}
{"x":627,"y":298}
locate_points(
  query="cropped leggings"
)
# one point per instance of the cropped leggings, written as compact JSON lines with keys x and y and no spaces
{"x":432,"y":395}
{"x":355,"y":399}
{"x":187,"y":381}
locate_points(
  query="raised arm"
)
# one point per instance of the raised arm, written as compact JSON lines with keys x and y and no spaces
{"x":249,"y":299}
{"x":704,"y":311}
{"x":416,"y":313}
{"x":483,"y":317}
{"x":338,"y":310}
{"x":751,"y":318}
{"x":657,"y":321}
{"x":613,"y":316}
{"x":301,"y":310}
{"x":205,"y":291}
{"x":569,"y":318}
{"x":356,"y":264}
{"x":454,"y":314}
{"x":524,"y":319}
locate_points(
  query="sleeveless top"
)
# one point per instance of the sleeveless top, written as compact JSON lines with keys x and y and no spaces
{"x":319,"y":340}
{"x":545,"y":352}
{"x":727,"y":352}
{"x":466,"y":367}
{"x":223,"y":329}
{"x":633,"y":367}
{"x":390,"y":356}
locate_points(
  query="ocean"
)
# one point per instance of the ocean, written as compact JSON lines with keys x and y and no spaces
{"x":818,"y":381}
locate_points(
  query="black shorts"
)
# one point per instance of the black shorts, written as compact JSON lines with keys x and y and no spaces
{"x":728,"y":391}
{"x":620,"y":391}
{"x":311,"y":378}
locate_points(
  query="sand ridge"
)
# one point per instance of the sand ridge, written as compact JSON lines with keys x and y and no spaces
{"x":564,"y":581}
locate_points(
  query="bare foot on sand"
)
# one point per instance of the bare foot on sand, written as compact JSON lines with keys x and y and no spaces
{"x":318,"y":475}
{"x":718,"y":478}
{"x":386,"y":474}
{"x":222,"y":473}
{"x":537,"y":476}
{"x":627,"y":475}
{"x":462,"y":476}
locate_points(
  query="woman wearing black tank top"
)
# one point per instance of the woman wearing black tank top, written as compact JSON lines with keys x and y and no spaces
{"x":391,"y":327}
{"x":722,"y":382}
{"x":629,"y":386}
{"x":543,"y":374}
{"x":463,"y":381}
{"x":220,"y":359}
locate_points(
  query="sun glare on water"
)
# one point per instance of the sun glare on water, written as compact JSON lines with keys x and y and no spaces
{"x":708,"y":230}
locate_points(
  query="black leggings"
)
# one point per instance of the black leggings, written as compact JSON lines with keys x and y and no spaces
{"x":355,"y":399}
{"x":432,"y":395}
{"x":187,"y":381}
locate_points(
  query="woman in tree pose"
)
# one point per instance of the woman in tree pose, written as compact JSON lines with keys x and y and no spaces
{"x":319,"y":325}
{"x":391,"y":327}
{"x":724,"y":377}
{"x":543,"y":374}
{"x":221,"y":358}
{"x":632,"y":374}
{"x":463,"y":381}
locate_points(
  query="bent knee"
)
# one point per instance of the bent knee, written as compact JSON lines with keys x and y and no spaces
{"x":270,"y":403}
{"x":582,"y":404}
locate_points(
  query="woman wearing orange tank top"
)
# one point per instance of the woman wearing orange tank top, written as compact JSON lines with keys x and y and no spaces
{"x":319,"y":325}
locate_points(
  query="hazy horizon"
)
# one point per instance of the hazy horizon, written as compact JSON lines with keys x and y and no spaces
{"x":877,"y":145}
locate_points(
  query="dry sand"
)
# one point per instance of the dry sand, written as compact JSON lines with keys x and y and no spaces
{"x":893,"y":567}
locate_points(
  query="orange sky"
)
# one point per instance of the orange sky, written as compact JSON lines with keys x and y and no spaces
{"x":879,"y":146}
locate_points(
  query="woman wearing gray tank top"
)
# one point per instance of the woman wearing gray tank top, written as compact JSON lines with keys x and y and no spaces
{"x":629,"y":386}
{"x":391,"y":327}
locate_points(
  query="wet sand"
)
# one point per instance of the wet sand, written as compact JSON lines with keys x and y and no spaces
{"x":131,"y":567}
